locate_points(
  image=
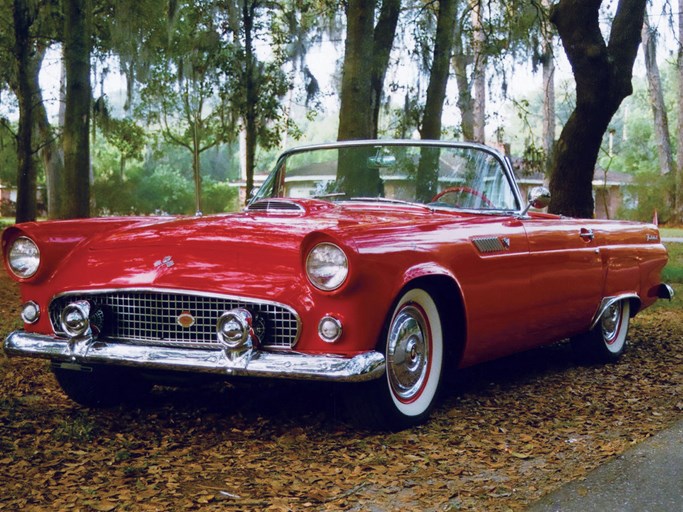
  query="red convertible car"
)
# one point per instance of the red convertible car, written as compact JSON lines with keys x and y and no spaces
{"x":388,"y":264}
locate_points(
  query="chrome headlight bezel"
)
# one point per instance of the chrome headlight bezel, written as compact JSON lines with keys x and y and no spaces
{"x":23,"y":257}
{"x":327,"y":266}
{"x":75,"y":319}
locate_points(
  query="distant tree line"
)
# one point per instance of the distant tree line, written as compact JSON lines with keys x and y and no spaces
{"x":200,"y":75}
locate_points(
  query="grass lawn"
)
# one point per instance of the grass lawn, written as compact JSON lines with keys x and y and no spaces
{"x":671,"y":232}
{"x":673,"y":272}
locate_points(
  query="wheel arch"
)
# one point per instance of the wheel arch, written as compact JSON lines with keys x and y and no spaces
{"x":447,"y":294}
{"x":634,"y":305}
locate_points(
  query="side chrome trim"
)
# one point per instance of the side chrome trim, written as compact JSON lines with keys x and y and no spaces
{"x":362,"y":367}
{"x":608,"y":301}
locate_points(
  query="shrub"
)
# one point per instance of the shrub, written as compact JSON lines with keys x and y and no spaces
{"x":219,"y":197}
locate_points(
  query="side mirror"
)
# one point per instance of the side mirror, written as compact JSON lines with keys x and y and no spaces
{"x":538,"y":197}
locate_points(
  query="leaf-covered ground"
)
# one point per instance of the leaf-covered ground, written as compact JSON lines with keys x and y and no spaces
{"x":504,"y":435}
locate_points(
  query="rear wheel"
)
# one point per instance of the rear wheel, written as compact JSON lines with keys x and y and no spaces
{"x":413,"y":348}
{"x":606,"y":342}
{"x":101,"y":386}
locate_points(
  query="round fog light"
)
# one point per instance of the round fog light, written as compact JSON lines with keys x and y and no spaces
{"x":329,"y":329}
{"x":30,"y":312}
{"x":75,"y":318}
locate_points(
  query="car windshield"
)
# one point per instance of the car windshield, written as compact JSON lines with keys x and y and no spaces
{"x":463,"y":176}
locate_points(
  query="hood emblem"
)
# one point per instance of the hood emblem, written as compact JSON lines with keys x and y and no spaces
{"x":167,"y":261}
{"x":185,"y":319}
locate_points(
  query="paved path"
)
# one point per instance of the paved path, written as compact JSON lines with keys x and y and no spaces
{"x":646,"y":478}
{"x":676,"y":239}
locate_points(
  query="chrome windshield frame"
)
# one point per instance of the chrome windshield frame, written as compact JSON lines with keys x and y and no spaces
{"x":503,"y":161}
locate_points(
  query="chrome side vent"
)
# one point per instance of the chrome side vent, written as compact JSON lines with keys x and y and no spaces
{"x":269,"y":205}
{"x":491,"y":244}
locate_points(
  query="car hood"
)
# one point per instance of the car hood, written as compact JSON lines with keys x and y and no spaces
{"x":253,"y":253}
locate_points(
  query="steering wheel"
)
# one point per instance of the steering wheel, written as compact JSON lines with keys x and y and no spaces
{"x":466,"y":190}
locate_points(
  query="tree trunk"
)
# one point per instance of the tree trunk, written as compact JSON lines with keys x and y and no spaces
{"x":603,"y":79}
{"x":548,"y":99}
{"x":679,"y":170}
{"x":75,"y":196}
{"x":548,"y":109}
{"x":465,"y":103}
{"x":26,"y":174}
{"x":52,"y":156}
{"x":661,"y":121}
{"x":384,"y":34}
{"x":355,"y":118}
{"x":479,"y":74}
{"x":428,"y":167}
{"x":438,"y":76}
{"x":50,"y":151}
{"x":251,"y":92}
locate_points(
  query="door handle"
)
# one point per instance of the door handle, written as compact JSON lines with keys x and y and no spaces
{"x":587,"y":235}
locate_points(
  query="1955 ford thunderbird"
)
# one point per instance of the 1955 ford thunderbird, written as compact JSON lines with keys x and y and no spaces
{"x":388,"y":264}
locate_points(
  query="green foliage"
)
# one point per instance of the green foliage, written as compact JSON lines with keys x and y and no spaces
{"x":253,"y":88}
{"x":161,"y":184}
{"x":8,"y":155}
{"x":127,"y":136}
{"x":634,"y":151}
{"x":166,"y":190}
{"x":673,"y":272}
{"x":650,"y":193}
{"x":220,"y":197}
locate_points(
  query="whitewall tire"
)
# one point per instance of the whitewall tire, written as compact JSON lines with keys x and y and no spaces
{"x":413,"y":345}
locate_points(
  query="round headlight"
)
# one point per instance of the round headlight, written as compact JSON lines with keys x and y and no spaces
{"x":23,"y":257}
{"x":327,"y":266}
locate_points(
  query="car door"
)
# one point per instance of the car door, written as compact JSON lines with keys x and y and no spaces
{"x":567,"y":276}
{"x":493,"y":270}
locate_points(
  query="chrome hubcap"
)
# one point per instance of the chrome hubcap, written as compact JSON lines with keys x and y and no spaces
{"x":408,"y":353}
{"x":611,"y":319}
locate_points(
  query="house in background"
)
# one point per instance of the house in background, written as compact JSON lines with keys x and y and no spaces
{"x":8,"y":193}
{"x":610,"y":190}
{"x":8,"y":200}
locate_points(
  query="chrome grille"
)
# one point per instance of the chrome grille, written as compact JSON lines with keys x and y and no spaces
{"x":151,"y":317}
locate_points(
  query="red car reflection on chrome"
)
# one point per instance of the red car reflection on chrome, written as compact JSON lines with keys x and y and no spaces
{"x":385,"y":263}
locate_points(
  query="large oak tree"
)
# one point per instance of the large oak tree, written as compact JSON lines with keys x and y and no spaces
{"x":75,"y":202}
{"x":366,"y":57}
{"x":602,"y":71}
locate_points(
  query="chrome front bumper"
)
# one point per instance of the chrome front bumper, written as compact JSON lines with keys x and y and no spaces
{"x":288,"y":365}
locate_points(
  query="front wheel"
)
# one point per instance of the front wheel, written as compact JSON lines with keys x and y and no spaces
{"x":101,"y":386}
{"x":606,"y":342}
{"x":414,"y":353}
